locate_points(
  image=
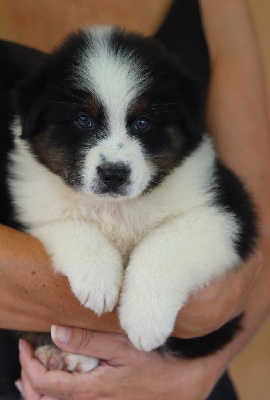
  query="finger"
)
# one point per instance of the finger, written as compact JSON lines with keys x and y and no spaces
{"x":19,"y":386}
{"x":28,"y":391}
{"x":42,"y":381}
{"x":26,"y":356}
{"x":95,"y":344}
{"x":49,"y":398}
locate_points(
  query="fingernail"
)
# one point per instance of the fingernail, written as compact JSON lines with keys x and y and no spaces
{"x":60,"y":334}
{"x":19,"y":386}
{"x":20,"y":344}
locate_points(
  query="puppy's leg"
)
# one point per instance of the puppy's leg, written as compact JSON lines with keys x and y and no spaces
{"x":91,"y":263}
{"x":171,"y":262}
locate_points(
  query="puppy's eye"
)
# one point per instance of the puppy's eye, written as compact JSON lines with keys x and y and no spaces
{"x":84,"y":121}
{"x":142,"y":124}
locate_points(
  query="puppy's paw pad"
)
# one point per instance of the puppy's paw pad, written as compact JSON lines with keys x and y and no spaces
{"x":51,"y":357}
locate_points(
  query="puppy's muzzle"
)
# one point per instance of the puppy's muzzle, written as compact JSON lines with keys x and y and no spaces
{"x":113,"y":176}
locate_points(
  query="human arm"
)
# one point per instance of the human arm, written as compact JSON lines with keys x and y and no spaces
{"x":33,"y":297}
{"x":238,"y":118}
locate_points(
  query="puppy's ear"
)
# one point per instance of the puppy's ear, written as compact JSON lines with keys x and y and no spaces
{"x":193,"y":94}
{"x":27,"y":99}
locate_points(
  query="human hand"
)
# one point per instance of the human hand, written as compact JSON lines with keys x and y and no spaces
{"x":124,"y":372}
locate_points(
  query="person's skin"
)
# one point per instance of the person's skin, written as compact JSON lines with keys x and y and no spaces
{"x":127,"y":373}
{"x":237,"y":118}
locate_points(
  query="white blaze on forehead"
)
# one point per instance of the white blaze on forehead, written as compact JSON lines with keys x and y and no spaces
{"x":115,"y":79}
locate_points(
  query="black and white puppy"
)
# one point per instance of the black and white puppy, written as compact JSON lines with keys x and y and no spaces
{"x":113,"y":173}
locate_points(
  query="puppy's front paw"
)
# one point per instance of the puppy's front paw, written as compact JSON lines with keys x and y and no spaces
{"x":98,"y":283}
{"x":146,"y":324}
{"x":145,"y":334}
{"x":99,"y":293}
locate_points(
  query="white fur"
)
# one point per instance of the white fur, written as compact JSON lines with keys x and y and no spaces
{"x":116,"y":80}
{"x":171,"y":240}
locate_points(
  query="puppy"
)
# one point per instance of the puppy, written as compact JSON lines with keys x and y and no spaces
{"x":113,"y":172}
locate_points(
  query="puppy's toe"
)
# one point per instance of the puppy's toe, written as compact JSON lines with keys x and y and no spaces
{"x":79,"y":363}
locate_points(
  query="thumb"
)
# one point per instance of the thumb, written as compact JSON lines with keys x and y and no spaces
{"x":90,"y":343}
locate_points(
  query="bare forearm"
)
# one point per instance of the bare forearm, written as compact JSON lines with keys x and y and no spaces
{"x":32,"y":296}
{"x":255,"y":314}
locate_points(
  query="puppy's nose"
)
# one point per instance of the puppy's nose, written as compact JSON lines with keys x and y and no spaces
{"x":113,"y":175}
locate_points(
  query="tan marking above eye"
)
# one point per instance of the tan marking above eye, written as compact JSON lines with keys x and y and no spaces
{"x":92,"y":107}
{"x":138,"y":107}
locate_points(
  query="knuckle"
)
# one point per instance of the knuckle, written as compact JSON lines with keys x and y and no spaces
{"x":85,"y":339}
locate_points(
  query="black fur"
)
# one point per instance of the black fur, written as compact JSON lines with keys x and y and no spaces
{"x":16,"y":62}
{"x":231,"y":195}
{"x":204,"y":345}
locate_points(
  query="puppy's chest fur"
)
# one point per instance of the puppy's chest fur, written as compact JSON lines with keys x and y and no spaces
{"x":126,"y":225}
{"x":123,"y":226}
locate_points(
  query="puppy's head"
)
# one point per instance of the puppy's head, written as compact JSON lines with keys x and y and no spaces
{"x":110,"y":113}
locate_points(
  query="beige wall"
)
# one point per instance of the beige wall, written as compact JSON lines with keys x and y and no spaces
{"x":250,"y":372}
